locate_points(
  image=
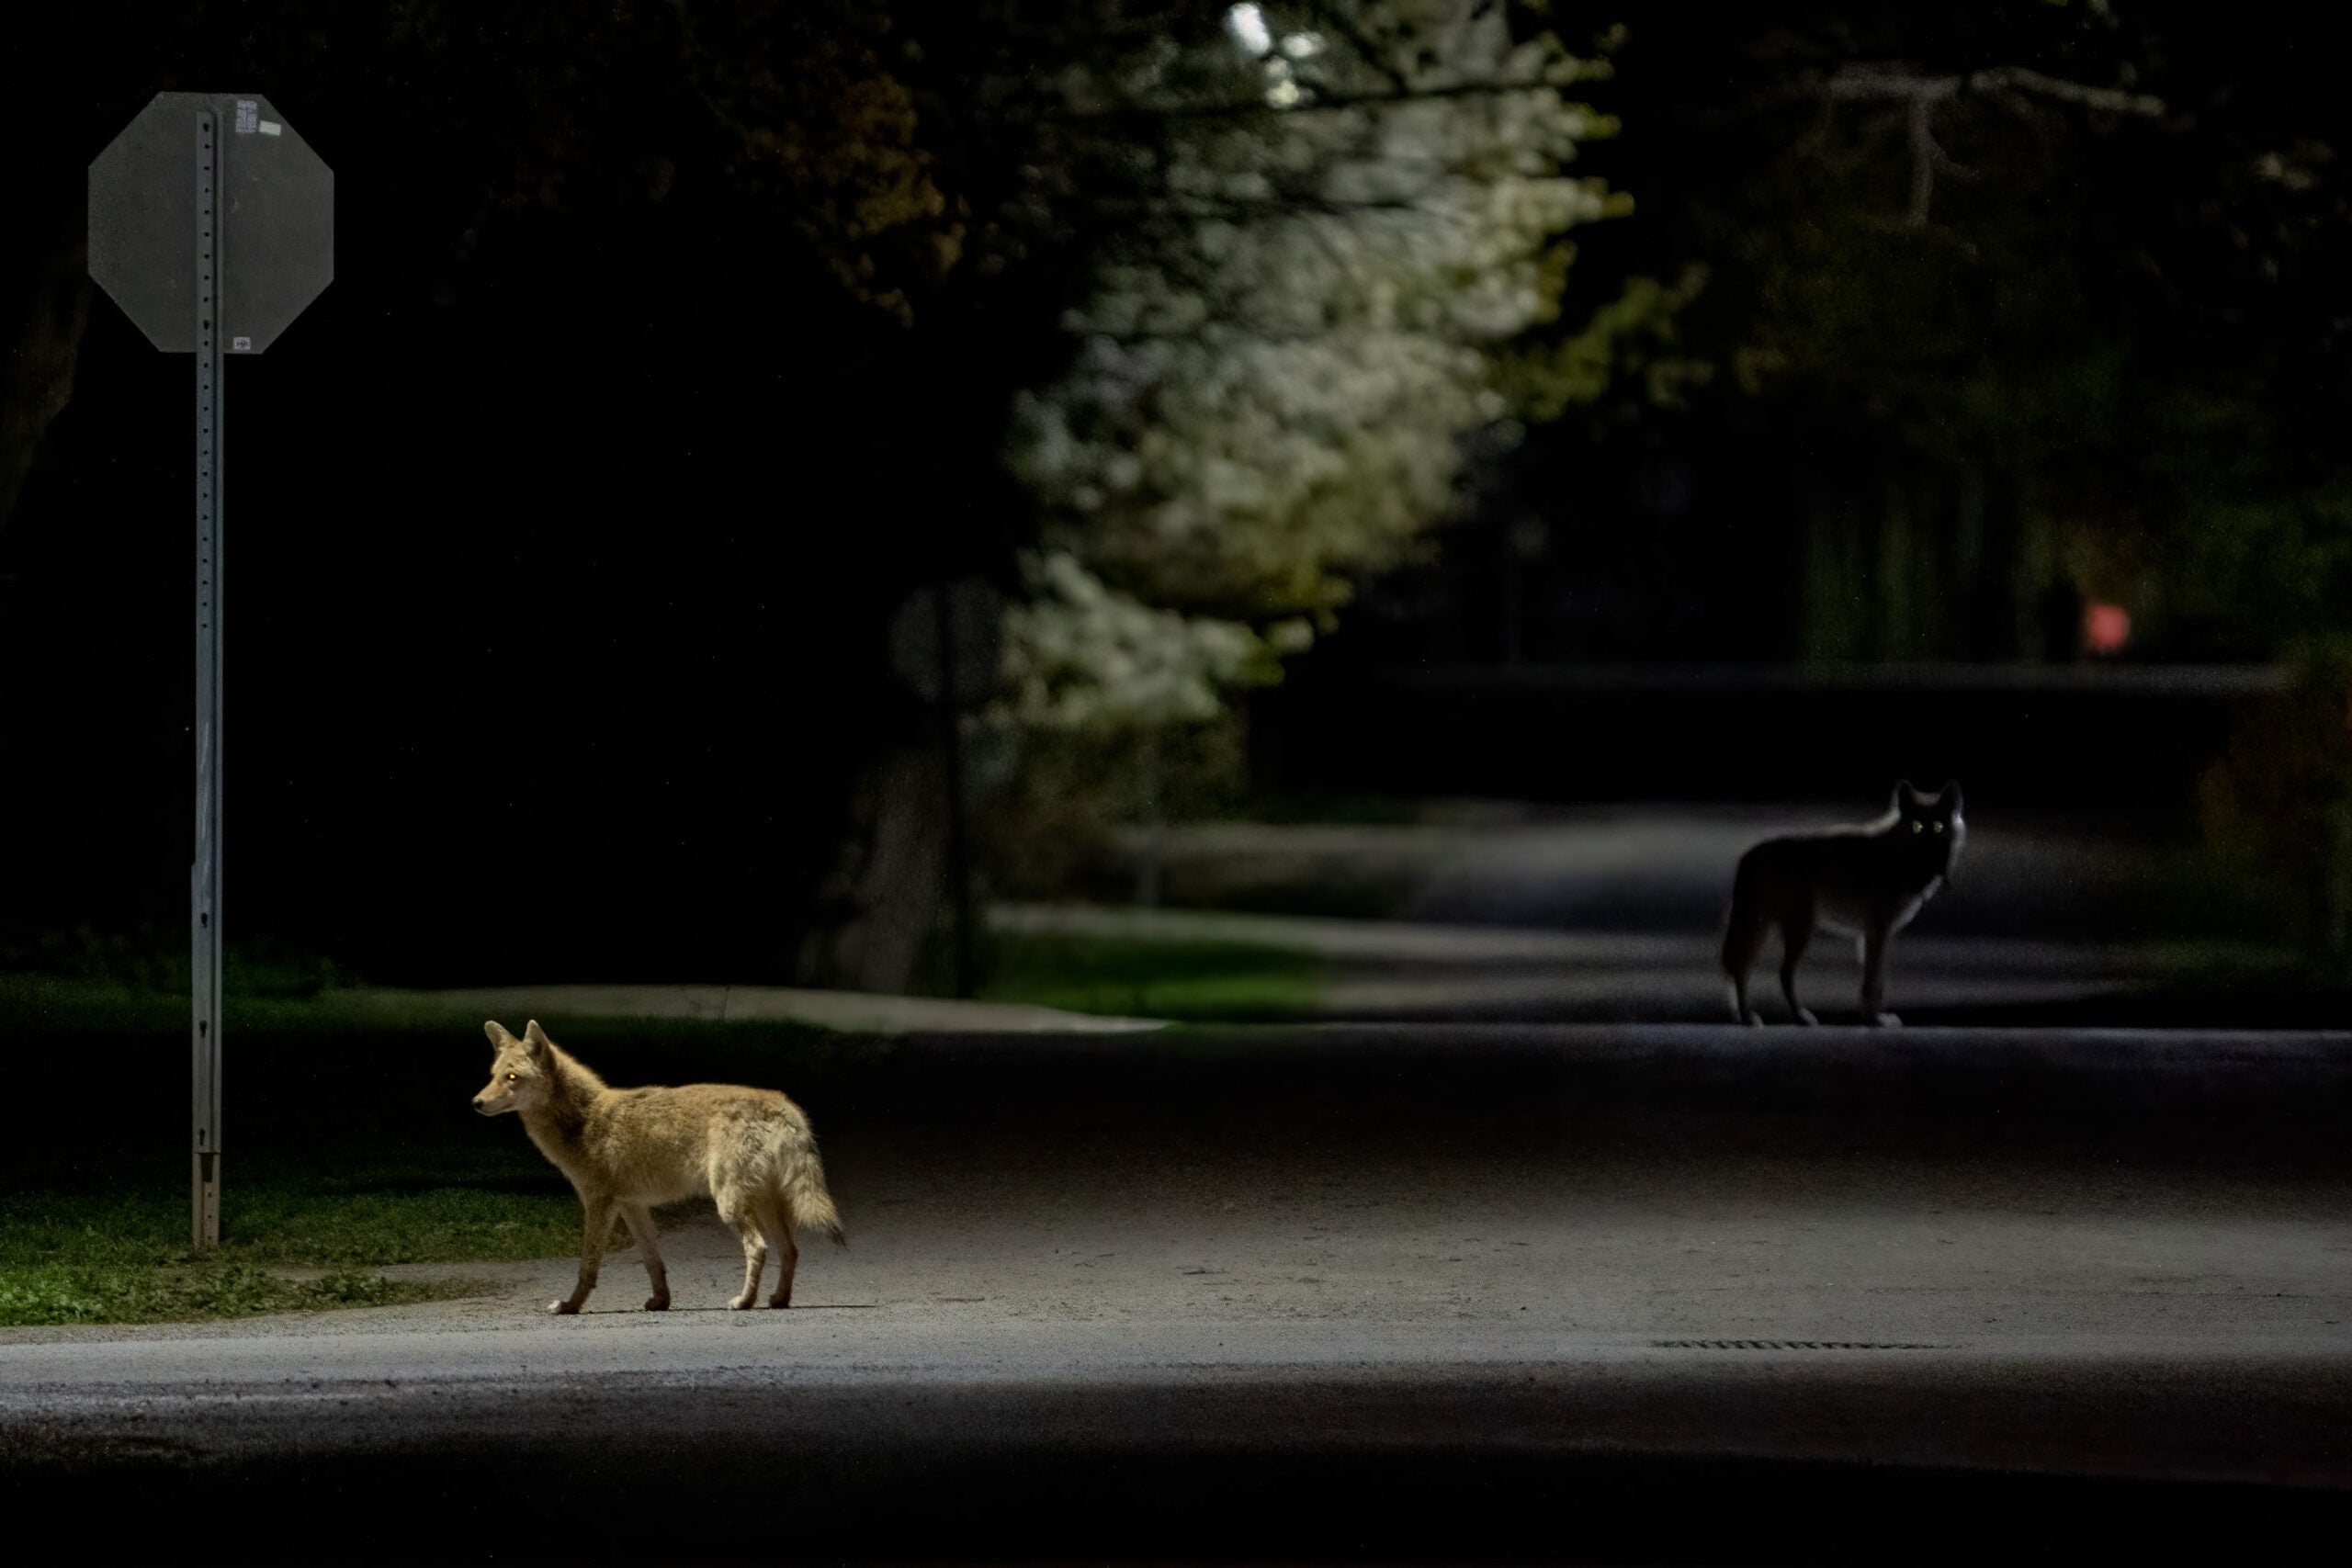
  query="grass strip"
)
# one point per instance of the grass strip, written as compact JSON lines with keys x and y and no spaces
{"x":119,"y":1252}
{"x":1187,"y":981}
{"x":53,"y":1293}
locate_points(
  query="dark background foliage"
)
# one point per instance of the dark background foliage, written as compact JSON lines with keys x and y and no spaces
{"x":671,"y":347}
{"x":562,"y":532}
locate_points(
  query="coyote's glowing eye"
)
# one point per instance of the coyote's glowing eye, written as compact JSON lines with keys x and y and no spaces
{"x":1938,"y":827}
{"x":1918,"y":826}
{"x":511,"y":1077}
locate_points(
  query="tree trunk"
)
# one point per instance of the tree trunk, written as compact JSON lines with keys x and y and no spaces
{"x":884,"y":905}
{"x":37,"y":377}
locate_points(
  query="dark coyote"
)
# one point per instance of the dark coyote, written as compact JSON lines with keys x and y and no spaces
{"x":1867,"y":881}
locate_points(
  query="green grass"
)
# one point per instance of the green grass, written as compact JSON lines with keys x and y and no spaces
{"x":1349,"y":810}
{"x":81,"y":1252}
{"x":52,"y":1004}
{"x":1190,"y":982}
{"x":350,"y":1145}
{"x":51,"y":1294}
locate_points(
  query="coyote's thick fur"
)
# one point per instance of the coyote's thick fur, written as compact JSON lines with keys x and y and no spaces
{"x":628,"y":1149}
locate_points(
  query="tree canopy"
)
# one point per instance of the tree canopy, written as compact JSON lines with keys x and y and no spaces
{"x":1318,"y":230}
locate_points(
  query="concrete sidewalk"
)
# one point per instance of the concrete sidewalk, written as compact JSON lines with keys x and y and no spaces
{"x":855,"y":1011}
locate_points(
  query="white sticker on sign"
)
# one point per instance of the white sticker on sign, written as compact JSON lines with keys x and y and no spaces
{"x":270,"y":128}
{"x":248,"y":115}
{"x":241,"y":344}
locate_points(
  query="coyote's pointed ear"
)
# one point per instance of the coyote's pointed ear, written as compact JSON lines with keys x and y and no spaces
{"x":535,"y":1038}
{"x":1949,"y":797}
{"x":498,"y":1035}
{"x":1904,"y":794}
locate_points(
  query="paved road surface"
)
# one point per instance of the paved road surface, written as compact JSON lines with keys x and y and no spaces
{"x":1668,"y":867}
{"x":1615,"y":913}
{"x":1398,"y":971}
{"x":1573,"y":1294}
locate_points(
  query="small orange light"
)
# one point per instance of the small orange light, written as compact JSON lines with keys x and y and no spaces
{"x":2106,"y":628}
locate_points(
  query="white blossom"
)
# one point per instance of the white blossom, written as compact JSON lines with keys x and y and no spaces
{"x":1275,"y":376}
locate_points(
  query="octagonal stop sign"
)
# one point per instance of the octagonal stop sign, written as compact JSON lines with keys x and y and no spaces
{"x":274,"y":200}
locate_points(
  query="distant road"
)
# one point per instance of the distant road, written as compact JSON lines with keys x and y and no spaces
{"x":1501,"y":910}
{"x":1425,"y":971}
{"x":1666,"y":868}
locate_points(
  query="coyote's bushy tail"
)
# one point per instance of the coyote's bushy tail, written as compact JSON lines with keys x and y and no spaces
{"x":813,"y":1204}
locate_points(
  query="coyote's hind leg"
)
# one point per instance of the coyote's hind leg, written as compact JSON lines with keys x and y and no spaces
{"x":1796,"y":931}
{"x":775,"y":1218}
{"x":1741,"y":941}
{"x":740,"y":1213}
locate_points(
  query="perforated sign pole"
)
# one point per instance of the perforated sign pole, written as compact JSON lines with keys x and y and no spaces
{"x":204,"y":892}
{"x":212,"y":225}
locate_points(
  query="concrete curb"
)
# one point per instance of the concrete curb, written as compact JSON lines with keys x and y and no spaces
{"x":854,"y":1011}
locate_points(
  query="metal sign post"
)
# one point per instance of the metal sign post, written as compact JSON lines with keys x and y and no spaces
{"x":212,"y":225}
{"x":204,"y":875}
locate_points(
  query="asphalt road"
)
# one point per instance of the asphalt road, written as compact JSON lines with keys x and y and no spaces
{"x":1500,"y":912}
{"x":1667,"y":868}
{"x":1397,"y":972}
{"x":1567,"y":1294}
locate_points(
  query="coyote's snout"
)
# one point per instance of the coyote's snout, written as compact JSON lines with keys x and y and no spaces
{"x":626,"y":1149}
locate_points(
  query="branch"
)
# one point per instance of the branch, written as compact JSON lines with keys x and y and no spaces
{"x":2113,"y":101}
{"x":1885,"y":82}
{"x":1322,"y":103}
{"x":1197,"y":207}
{"x":1892,"y":81}
{"x":1923,"y":162}
{"x":1366,"y":48}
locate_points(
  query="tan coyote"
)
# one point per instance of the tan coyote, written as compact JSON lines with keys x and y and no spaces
{"x":628,"y":1149}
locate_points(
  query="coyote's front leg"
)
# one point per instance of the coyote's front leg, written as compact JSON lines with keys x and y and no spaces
{"x":1875,"y":942}
{"x":648,"y":1242}
{"x":591,"y":1252}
